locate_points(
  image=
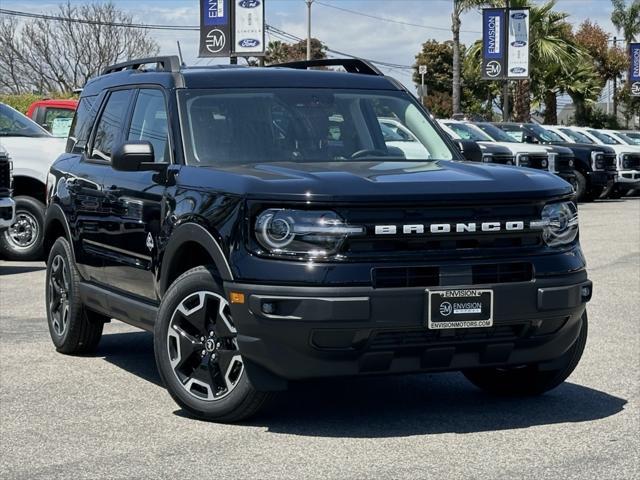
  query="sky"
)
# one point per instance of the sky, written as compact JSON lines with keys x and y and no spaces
{"x":351,"y":33}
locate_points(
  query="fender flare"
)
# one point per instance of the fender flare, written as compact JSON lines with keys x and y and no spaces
{"x":54,"y":212}
{"x":193,"y":232}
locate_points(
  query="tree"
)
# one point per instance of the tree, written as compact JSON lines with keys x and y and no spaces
{"x":626,"y":19}
{"x":59,"y":56}
{"x":438,"y":57}
{"x":608,"y":61}
{"x":459,"y":7}
{"x":280,"y":52}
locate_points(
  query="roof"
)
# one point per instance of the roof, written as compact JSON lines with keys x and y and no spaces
{"x":232,"y":76}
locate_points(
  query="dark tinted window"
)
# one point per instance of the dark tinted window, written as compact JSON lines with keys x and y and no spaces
{"x":81,"y":124}
{"x":149,"y":122}
{"x":15,"y":124}
{"x":110,"y":124}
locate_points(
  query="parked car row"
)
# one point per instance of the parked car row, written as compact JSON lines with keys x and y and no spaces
{"x":598,"y":163}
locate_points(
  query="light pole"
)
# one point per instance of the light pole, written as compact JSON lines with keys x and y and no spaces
{"x":309,"y":2}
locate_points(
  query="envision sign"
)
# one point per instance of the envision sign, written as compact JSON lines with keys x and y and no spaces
{"x":505,"y":43}
{"x":634,"y":68}
{"x":231,"y":27}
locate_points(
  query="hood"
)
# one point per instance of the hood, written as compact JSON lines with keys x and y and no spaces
{"x":32,"y":156}
{"x":585,"y":147}
{"x":559,"y":149}
{"x":377,"y":181}
{"x":515,"y":147}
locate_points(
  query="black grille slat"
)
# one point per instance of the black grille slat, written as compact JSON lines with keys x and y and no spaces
{"x":610,"y":162}
{"x":5,"y":176}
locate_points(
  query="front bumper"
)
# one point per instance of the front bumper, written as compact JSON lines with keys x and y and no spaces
{"x":346,"y":331}
{"x":601,"y":178}
{"x":7,"y":212}
{"x":628,"y":179}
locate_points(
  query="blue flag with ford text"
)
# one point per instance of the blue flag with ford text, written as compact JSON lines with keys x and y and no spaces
{"x":494,"y":50}
{"x":634,"y":69}
{"x":215,"y":28}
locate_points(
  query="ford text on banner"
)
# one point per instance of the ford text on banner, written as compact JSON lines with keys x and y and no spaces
{"x":249,"y":27}
{"x":215,"y":28}
{"x":518,"y":44}
{"x":634,"y":69}
{"x":493,"y":48}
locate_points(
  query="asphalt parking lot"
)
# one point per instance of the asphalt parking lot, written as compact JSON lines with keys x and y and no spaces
{"x":107,"y":416}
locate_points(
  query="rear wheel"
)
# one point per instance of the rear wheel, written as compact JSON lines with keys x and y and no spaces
{"x":532,"y":379}
{"x":72,"y":327}
{"x":197,"y":352}
{"x":23,"y":240}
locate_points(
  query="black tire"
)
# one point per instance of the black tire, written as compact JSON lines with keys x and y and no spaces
{"x":73,"y":328}
{"x":581,"y":187}
{"x":615,"y":193}
{"x":23,"y":241}
{"x":529,"y":380}
{"x":208,"y":382}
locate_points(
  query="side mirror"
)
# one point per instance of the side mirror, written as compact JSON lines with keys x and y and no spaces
{"x":135,"y":156}
{"x":530,"y":139}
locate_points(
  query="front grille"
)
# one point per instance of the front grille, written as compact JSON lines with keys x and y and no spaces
{"x":503,"y":159}
{"x":481,"y":274}
{"x":537,"y":160}
{"x":610,"y":162}
{"x":399,"y":339}
{"x":564,"y":163}
{"x":5,"y":176}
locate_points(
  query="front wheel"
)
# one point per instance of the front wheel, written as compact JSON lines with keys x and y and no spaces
{"x":527,"y":380}
{"x":197,"y":352}
{"x":24,"y":239}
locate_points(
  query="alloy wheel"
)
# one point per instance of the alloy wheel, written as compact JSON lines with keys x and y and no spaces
{"x":59,"y":295}
{"x":202,"y":346}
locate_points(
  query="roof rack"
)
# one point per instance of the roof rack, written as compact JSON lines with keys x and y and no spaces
{"x":170,"y":63}
{"x":351,"y":65}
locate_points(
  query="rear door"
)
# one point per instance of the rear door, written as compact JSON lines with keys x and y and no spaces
{"x":136,"y":201}
{"x":91,"y":204}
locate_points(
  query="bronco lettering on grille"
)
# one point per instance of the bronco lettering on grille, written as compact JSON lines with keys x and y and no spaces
{"x":439,"y":228}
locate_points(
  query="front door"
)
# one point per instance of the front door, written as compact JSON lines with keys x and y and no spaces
{"x":135,"y":200}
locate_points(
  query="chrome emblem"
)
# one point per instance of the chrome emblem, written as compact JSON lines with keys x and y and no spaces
{"x":440,"y":228}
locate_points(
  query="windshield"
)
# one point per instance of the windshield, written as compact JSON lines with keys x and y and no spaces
{"x":576,"y":136}
{"x":604,"y":138}
{"x":627,"y":139}
{"x":241,"y":126}
{"x":634,"y":137}
{"x":496,"y":133}
{"x":468,"y":132}
{"x":546,"y":135}
{"x":15,"y":124}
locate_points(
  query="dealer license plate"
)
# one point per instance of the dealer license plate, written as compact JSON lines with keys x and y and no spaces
{"x":459,"y":308}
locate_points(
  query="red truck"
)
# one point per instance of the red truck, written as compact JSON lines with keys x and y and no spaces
{"x":53,"y":115}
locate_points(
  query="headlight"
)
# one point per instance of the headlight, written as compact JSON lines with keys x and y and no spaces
{"x":310,"y":234}
{"x":597,"y":161}
{"x":626,"y":162}
{"x":523,"y":161}
{"x":559,"y":223}
{"x":487,"y":158}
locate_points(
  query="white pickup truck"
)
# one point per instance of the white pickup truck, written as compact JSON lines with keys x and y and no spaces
{"x":32,"y":150}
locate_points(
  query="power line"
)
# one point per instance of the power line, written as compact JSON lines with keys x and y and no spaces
{"x":270,"y":29}
{"x":390,"y":20}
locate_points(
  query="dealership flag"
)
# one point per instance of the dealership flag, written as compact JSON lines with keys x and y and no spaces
{"x":634,"y":68}
{"x":518,"y":44}
{"x":215,"y":28}
{"x":493,"y":47}
{"x":248,"y":27}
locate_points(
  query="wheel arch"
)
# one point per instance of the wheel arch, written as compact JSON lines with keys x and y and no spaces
{"x":29,"y":187}
{"x":56,"y":226}
{"x":191,"y":245}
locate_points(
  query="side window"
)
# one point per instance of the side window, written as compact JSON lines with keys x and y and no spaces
{"x":150,"y":123}
{"x":81,"y":125}
{"x":110,"y":124}
{"x":517,"y":135}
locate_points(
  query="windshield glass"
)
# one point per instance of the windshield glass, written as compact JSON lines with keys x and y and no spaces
{"x":15,"y":124}
{"x":604,"y":138}
{"x":234,"y":127}
{"x":546,"y":135}
{"x":576,"y":136}
{"x":634,"y":137}
{"x":468,"y":132}
{"x":627,"y":139}
{"x":496,"y":133}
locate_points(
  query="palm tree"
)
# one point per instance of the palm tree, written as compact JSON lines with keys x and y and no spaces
{"x":626,"y":19}
{"x":459,"y":7}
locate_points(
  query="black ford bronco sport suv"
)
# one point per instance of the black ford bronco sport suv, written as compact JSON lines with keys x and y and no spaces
{"x":258,"y":223}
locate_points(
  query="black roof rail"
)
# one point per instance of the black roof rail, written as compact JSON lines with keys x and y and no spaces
{"x":351,"y":65}
{"x":170,"y":63}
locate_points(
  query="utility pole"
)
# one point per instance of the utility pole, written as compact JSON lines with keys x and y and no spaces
{"x":615,"y":86}
{"x":309,"y":2}
{"x":506,"y":117}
